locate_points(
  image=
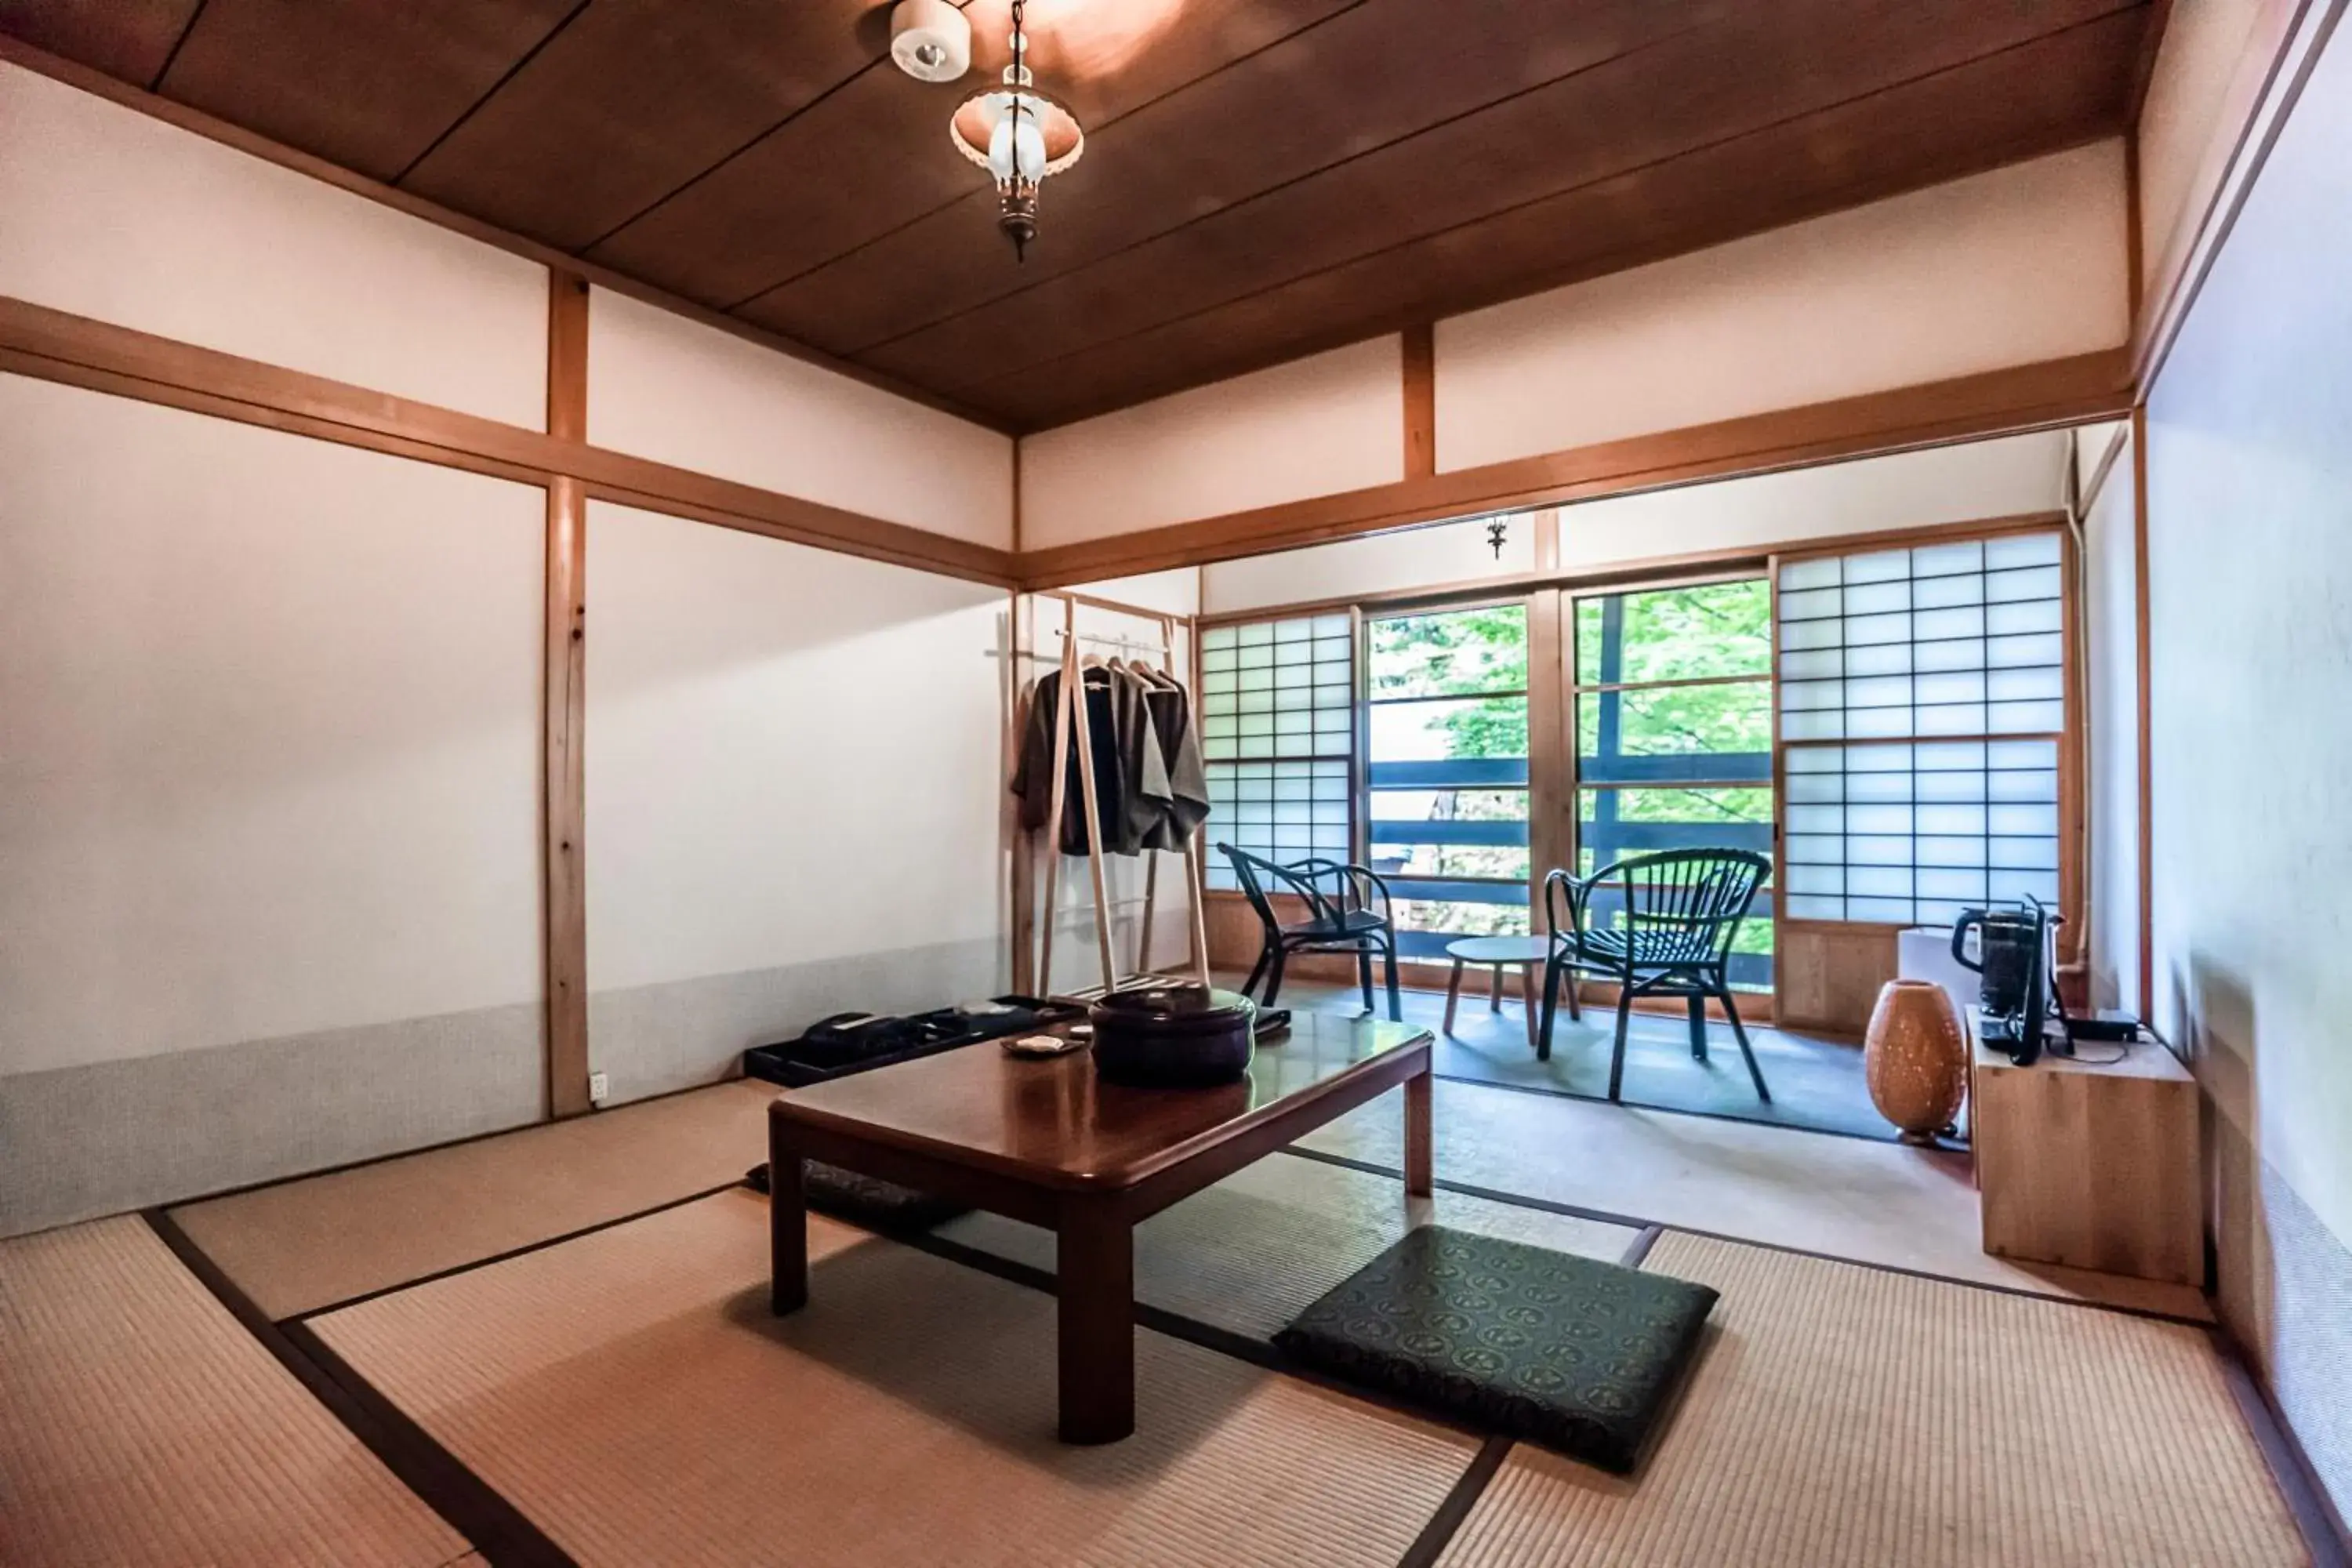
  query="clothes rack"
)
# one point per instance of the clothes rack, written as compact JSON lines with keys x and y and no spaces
{"x":1072,"y":726}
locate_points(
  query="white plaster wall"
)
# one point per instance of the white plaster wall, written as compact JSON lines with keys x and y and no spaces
{"x":2206,"y":44}
{"x":1317,"y":426}
{"x":107,"y":213}
{"x":1967,"y":482}
{"x":2018,"y":265}
{"x":2111,"y":605}
{"x":2250,"y":616}
{"x":792,"y":756}
{"x":1175,"y":591}
{"x":665,"y":387}
{"x":1415,"y":558}
{"x":2249,"y":513}
{"x":1957,"y":484}
{"x":272,"y":715}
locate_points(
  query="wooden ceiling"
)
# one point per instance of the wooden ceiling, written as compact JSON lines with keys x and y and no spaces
{"x":1262,"y":178}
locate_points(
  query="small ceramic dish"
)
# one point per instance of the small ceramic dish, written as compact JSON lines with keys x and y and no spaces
{"x":1041,"y":1045}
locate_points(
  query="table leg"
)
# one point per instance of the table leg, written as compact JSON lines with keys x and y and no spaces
{"x":1097,"y":1290}
{"x":1418,"y":1152}
{"x":1528,"y":999}
{"x":1452,"y":993}
{"x":787,"y":1228}
{"x":1494,"y":989}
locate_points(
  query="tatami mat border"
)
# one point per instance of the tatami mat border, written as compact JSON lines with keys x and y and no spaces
{"x":494,"y":1526}
{"x":1494,"y":1195}
{"x":1670,"y":1109}
{"x":504,"y":1535}
{"x":529,"y":1247}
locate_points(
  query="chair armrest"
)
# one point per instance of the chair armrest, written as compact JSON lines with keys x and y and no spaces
{"x":1579,"y":892}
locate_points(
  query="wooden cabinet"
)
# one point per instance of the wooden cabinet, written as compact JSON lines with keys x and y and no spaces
{"x":2089,"y":1164}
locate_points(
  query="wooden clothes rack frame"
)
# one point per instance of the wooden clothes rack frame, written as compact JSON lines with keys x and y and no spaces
{"x":1072,"y":725}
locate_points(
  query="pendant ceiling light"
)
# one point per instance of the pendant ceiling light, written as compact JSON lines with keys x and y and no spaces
{"x":1020,"y":136}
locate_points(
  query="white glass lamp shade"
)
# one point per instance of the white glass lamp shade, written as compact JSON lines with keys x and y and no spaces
{"x":1047,"y":140}
{"x":1017,"y":145}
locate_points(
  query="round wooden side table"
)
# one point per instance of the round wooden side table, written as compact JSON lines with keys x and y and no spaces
{"x":1500,"y":952}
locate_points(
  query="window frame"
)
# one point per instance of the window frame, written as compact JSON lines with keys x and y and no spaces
{"x":1575,"y":688}
{"x":1447,"y":605}
{"x":1214,"y":874}
{"x":2066,"y":741}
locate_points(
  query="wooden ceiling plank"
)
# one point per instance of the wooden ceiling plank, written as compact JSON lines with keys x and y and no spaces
{"x":632,"y":101}
{"x":363,"y":84}
{"x":2059,"y":92}
{"x":875,"y":155}
{"x":130,"y":40}
{"x":1328,"y":93}
{"x":1768,"y":66}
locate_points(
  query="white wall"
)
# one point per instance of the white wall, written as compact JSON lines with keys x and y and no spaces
{"x":664,"y":387}
{"x":1332,"y":422}
{"x":111,"y":214}
{"x":795,"y":761}
{"x":2111,"y":605}
{"x":2183,"y":142}
{"x":1967,"y":482}
{"x":1414,"y":558}
{"x":2018,"y":265}
{"x":1958,"y":484}
{"x":271,"y":774}
{"x":2250,"y":526}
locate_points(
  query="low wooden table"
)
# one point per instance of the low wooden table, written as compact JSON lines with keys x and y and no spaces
{"x":1529,"y":952}
{"x":1048,"y":1142}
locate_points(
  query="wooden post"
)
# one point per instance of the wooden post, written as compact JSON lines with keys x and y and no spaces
{"x":1086,"y":788}
{"x":564,"y":904}
{"x":1068,"y":683}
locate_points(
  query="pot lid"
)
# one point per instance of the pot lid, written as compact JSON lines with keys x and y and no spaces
{"x":1176,"y":1005}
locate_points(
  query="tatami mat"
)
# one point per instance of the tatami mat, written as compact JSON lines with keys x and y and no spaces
{"x":1842,"y":1415}
{"x":1848,"y":1197}
{"x":630,"y":1392}
{"x":300,"y":1245}
{"x":1256,"y":1250}
{"x":139,"y":1423}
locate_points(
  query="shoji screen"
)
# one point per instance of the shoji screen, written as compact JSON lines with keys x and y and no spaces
{"x":1278,"y":732}
{"x":1922,"y":710}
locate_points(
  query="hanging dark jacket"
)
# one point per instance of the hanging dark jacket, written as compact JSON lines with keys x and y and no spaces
{"x":1131,"y":787}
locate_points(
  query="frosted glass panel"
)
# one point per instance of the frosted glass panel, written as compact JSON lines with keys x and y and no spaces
{"x":1278,"y":733}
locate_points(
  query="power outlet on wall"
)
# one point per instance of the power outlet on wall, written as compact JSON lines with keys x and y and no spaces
{"x":598,"y":1086}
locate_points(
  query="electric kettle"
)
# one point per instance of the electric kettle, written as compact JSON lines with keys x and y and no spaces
{"x":2009,"y":946}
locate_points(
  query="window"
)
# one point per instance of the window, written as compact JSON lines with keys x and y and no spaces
{"x":1922,"y":704}
{"x":1447,"y":775}
{"x":1277,"y":735}
{"x":1674,"y":719}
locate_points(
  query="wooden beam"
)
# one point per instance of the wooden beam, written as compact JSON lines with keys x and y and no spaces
{"x":1684,"y":569}
{"x":2025,"y":397}
{"x":1420,"y":401}
{"x":564,"y":807}
{"x":55,"y":345}
{"x":100,"y":85}
{"x":2141,"y":645}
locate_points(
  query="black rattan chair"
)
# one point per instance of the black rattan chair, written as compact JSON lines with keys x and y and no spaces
{"x":1346,"y":909}
{"x":1676,"y":915}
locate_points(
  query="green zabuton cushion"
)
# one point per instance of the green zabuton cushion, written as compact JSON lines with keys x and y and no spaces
{"x":1575,"y":1354}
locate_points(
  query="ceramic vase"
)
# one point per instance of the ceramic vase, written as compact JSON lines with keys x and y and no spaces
{"x":1915,"y":1059}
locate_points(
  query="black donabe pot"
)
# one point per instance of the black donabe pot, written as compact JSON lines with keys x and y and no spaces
{"x":1166,"y":1037}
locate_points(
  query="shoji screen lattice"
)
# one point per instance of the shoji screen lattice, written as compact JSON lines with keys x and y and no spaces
{"x":1278,"y":734}
{"x":1922,"y":710}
